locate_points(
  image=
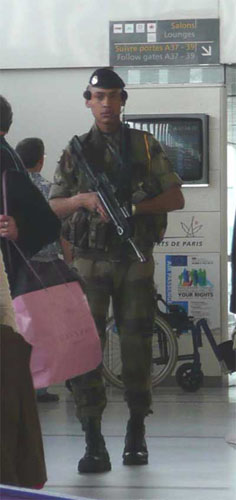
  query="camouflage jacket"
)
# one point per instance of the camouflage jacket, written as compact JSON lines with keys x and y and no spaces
{"x":137,"y":168}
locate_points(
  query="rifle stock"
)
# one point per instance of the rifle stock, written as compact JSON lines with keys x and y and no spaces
{"x":102,"y":186}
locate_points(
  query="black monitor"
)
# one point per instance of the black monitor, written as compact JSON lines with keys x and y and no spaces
{"x":185,"y":138}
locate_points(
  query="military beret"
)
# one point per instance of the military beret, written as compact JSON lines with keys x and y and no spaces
{"x":106,"y":78}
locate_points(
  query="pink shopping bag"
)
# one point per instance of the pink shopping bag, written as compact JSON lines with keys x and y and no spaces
{"x":58,"y":324}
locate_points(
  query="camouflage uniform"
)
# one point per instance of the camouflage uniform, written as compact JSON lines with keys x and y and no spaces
{"x":109,"y":266}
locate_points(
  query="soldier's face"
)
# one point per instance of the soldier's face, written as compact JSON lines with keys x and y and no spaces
{"x":105,"y":105}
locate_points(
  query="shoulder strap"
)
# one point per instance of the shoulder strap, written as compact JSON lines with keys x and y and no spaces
{"x":147,"y":151}
{"x":83,"y":137}
{"x":126,"y":145}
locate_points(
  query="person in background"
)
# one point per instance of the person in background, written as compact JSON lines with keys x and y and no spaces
{"x":30,"y":221}
{"x":32,"y":224}
{"x":143,"y":180}
{"x":32,"y":152}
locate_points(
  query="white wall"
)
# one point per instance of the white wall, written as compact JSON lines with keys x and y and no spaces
{"x":47,"y":104}
{"x":227,"y":15}
{"x":75,"y":33}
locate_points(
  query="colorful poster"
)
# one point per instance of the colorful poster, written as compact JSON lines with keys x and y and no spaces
{"x":191,"y":281}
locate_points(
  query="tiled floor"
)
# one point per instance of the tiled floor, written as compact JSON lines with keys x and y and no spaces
{"x":188,"y":456}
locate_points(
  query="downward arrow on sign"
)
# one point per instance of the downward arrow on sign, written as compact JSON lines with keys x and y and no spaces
{"x":207,"y":52}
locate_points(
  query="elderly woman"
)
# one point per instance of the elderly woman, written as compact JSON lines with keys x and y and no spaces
{"x":22,"y":458}
{"x":25,"y":219}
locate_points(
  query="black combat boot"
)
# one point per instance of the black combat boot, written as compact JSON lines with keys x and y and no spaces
{"x":135,"y":450}
{"x":96,"y":457}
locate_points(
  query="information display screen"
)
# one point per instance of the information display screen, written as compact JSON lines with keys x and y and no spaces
{"x":185,"y":140}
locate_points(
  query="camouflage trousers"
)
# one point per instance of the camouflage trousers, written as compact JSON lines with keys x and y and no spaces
{"x":130,"y":288}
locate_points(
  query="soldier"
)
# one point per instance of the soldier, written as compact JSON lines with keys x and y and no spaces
{"x":142,"y":178}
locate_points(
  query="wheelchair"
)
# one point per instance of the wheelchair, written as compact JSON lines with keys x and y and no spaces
{"x":168,"y":326}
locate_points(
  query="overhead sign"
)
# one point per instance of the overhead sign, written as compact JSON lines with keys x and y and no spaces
{"x":172,"y":42}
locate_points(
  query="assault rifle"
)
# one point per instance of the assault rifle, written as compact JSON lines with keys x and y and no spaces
{"x":100,"y":184}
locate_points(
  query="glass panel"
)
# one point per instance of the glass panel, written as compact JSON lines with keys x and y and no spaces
{"x":231,"y":165}
{"x":231,"y":316}
{"x":231,"y":153}
{"x":231,"y":148}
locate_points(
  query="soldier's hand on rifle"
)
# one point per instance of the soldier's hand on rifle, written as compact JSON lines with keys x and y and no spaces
{"x":92,"y":202}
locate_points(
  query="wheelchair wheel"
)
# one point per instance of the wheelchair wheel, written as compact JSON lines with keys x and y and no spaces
{"x":164,"y":356}
{"x":189,"y":378}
